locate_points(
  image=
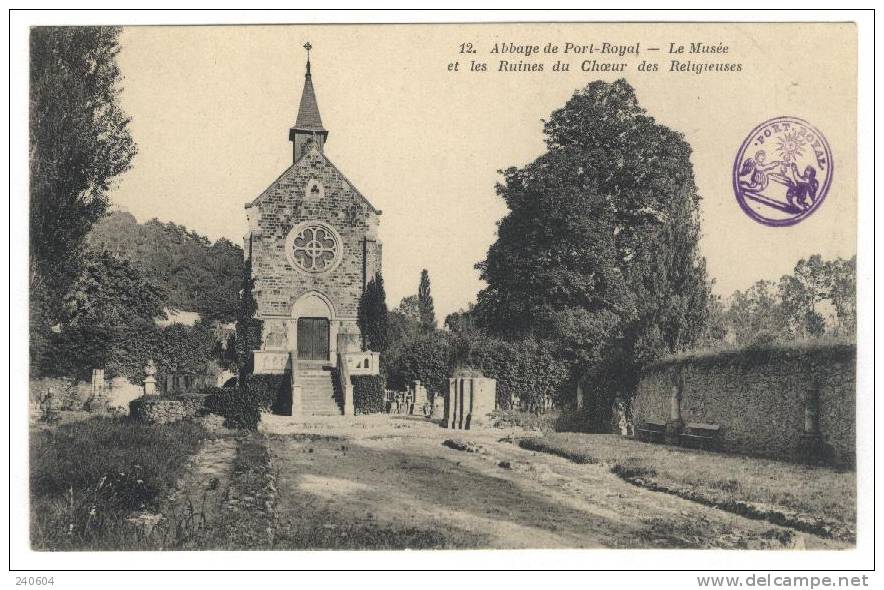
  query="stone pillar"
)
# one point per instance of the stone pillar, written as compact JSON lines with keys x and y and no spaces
{"x":333,"y":326}
{"x":291,"y":330}
{"x":675,"y":425}
{"x":349,"y":410}
{"x":297,"y":390}
{"x":469,"y":402}
{"x":150,"y":381}
{"x":811,"y":441}
{"x":420,"y":395}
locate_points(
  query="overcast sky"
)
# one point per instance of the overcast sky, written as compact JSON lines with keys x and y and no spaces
{"x":211,"y":108}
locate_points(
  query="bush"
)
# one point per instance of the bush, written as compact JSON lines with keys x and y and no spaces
{"x":271,"y":392}
{"x":368,"y":394}
{"x":239,"y":408}
{"x":424,"y":357}
{"x":529,"y":376}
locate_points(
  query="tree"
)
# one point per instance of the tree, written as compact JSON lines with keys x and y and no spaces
{"x":248,"y":327}
{"x":79,"y":143}
{"x":756,"y":314}
{"x":599,"y":248}
{"x":462,"y":320}
{"x":198,"y":275}
{"x":425,"y":302}
{"x":409,"y":307}
{"x":108,"y":313}
{"x":372,"y":315}
{"x":842,"y":293}
{"x":801,"y":293}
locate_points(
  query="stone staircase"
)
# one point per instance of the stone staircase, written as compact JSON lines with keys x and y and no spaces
{"x":319,"y":395}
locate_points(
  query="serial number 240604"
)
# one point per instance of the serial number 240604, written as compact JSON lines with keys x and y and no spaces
{"x":34,"y":581}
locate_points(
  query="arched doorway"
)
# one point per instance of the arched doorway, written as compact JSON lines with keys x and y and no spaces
{"x":313,"y":328}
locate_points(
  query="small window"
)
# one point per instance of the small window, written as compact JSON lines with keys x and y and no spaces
{"x":314,"y":189}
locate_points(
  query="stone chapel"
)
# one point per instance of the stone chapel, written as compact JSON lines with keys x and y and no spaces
{"x":313,"y":245}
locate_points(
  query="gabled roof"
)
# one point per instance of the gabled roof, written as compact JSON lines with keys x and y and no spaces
{"x":322,"y":155}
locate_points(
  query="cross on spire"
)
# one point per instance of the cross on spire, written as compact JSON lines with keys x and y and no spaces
{"x":308,"y":126}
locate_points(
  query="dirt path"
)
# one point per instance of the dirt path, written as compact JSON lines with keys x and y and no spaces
{"x":192,"y":508}
{"x":391,"y":483}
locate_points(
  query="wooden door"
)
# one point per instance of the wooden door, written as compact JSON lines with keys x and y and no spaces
{"x":313,"y":339}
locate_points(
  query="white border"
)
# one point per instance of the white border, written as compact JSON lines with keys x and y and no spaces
{"x":22,"y":557}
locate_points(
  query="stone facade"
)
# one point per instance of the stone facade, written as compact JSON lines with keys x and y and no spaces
{"x":469,"y":402}
{"x":313,"y":244}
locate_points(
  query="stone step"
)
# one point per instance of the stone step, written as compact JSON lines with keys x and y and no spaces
{"x":317,"y":390}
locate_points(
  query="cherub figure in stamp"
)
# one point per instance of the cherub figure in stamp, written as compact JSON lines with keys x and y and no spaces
{"x":785,"y":190}
{"x":755,"y":170}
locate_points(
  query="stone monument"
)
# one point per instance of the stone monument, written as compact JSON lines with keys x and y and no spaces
{"x":150,"y":380}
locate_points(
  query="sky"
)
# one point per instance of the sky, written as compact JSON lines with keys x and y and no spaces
{"x":211,"y":108}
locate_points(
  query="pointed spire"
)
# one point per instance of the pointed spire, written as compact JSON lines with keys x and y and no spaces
{"x":308,"y":111}
{"x":308,"y":129}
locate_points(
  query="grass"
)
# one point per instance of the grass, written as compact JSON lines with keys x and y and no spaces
{"x":88,"y":478}
{"x":545,"y":422}
{"x":815,"y":499}
{"x":245,"y":520}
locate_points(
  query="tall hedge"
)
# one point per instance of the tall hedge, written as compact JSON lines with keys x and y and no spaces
{"x":425,"y":357}
{"x":528,"y":373}
{"x":368,"y":394}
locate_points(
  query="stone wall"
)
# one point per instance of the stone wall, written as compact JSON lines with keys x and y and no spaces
{"x":285,"y":204}
{"x":761,"y":398}
{"x":162,"y":410}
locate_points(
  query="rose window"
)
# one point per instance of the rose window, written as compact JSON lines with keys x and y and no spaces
{"x":314,"y":247}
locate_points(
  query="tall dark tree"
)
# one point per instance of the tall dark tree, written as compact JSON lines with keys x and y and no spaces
{"x":598,"y":252}
{"x":598,"y":255}
{"x":79,"y":143}
{"x":248,"y":327}
{"x":425,"y":302}
{"x":372,"y":315}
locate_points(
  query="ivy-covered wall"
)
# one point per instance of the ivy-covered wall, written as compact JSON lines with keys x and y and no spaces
{"x":758,"y":396}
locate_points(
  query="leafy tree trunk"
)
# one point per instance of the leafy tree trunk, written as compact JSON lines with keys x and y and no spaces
{"x":79,"y":142}
{"x":248,"y":327}
{"x":372,"y":315}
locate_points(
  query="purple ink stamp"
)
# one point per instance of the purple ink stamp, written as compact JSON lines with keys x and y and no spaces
{"x":782,"y":171}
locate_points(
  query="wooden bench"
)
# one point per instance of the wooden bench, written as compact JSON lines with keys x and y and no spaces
{"x":699,"y":435}
{"x":651,"y":431}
